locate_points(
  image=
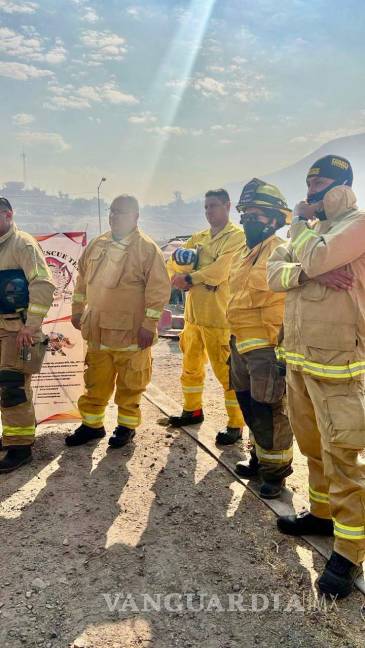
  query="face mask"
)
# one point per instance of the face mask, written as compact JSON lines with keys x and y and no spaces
{"x":257,"y":232}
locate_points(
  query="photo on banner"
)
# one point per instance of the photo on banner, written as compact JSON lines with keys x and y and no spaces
{"x":57,"y":388}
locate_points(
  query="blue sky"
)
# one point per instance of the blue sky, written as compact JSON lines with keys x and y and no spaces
{"x":164,"y":95}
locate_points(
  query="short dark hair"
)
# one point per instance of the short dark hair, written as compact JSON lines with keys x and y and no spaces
{"x":221,"y":194}
{"x":4,"y":203}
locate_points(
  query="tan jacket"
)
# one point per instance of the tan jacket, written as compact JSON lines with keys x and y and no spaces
{"x":121,"y":286}
{"x":19,"y":250}
{"x":324,"y":329}
{"x":204,"y":306}
{"x":255,"y":313}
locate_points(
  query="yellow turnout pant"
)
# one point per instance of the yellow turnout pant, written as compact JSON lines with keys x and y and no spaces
{"x":128,"y":372}
{"x":198,"y":344}
{"x":328,"y":421}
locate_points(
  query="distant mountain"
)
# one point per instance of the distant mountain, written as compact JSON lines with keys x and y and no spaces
{"x":291,"y":179}
{"x":37,"y":211}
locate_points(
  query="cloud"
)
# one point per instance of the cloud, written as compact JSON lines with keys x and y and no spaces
{"x":18,"y":7}
{"x":216,"y":68}
{"x":231,"y":128}
{"x":328,"y":135}
{"x":103,"y":46}
{"x":22,"y":119}
{"x":209,"y":86}
{"x":301,"y":139}
{"x":135,"y":12}
{"x":90,"y":15}
{"x":166,"y":131}
{"x":142,"y":118}
{"x":178,"y":131}
{"x":30,"y":47}
{"x":84,"y":97}
{"x":21,"y":71}
{"x":33,"y":138}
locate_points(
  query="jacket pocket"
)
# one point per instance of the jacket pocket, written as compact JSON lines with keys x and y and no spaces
{"x":312,"y":291}
{"x":139,"y":370}
{"x":329,"y":344}
{"x":345,"y":409}
{"x":328,"y":335}
{"x":116,"y":328}
{"x":95,"y":261}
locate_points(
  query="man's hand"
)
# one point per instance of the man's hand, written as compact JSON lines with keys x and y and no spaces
{"x":75,"y":321}
{"x":179,"y":281}
{"x":145,"y":338}
{"x":25,"y":336}
{"x":339,"y":279}
{"x":303,"y":211}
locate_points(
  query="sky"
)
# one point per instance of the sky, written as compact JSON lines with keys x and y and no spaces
{"x":165,"y":95}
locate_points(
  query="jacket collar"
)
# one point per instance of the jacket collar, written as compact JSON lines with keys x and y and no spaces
{"x":9,"y":234}
{"x":254,"y":253}
{"x":226,"y":229}
{"x":122,"y":243}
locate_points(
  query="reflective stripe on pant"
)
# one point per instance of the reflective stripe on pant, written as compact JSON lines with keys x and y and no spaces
{"x":198,"y":343}
{"x":328,"y":421}
{"x":18,"y":420}
{"x":127,"y":371}
{"x":260,"y":389}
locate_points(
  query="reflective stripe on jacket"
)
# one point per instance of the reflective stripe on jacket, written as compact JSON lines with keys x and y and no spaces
{"x":255,"y":313}
{"x":324,"y":329}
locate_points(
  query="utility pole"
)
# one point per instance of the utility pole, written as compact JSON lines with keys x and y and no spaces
{"x":24,"y":157}
{"x":102,"y":180}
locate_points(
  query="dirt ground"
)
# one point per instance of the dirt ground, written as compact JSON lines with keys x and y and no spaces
{"x":156,"y":546}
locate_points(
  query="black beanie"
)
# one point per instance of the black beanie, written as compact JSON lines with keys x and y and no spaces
{"x":332,"y":166}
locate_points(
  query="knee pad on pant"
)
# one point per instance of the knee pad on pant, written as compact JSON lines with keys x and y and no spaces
{"x":12,"y":388}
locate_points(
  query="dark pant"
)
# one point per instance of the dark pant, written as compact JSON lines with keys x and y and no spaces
{"x":259,"y":384}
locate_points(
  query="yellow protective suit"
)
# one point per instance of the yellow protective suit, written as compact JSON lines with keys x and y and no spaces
{"x":324,"y":347}
{"x":19,"y":250}
{"x":255,"y":315}
{"x":206,"y":332}
{"x":121,"y":287}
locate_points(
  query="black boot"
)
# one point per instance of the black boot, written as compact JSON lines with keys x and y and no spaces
{"x":304,"y":524}
{"x":84,"y":434}
{"x":187,"y":418}
{"x":272,"y":490}
{"x":339,"y":576}
{"x":121,"y":436}
{"x":15,"y":457}
{"x":248,"y":469}
{"x":228,"y":436}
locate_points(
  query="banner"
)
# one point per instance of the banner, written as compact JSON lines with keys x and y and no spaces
{"x":60,"y":383}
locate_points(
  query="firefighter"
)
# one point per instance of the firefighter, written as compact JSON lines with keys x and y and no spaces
{"x":206,"y":332}
{"x":26,"y":293}
{"x":255,"y":315}
{"x":121,"y":289}
{"x":322,"y":269}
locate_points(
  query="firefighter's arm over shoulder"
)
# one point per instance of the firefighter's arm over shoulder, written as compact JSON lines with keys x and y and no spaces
{"x":79,"y":295}
{"x":40,"y":285}
{"x":282,"y":272}
{"x":320,"y":253}
{"x":157,"y":290}
{"x":218,"y":271}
